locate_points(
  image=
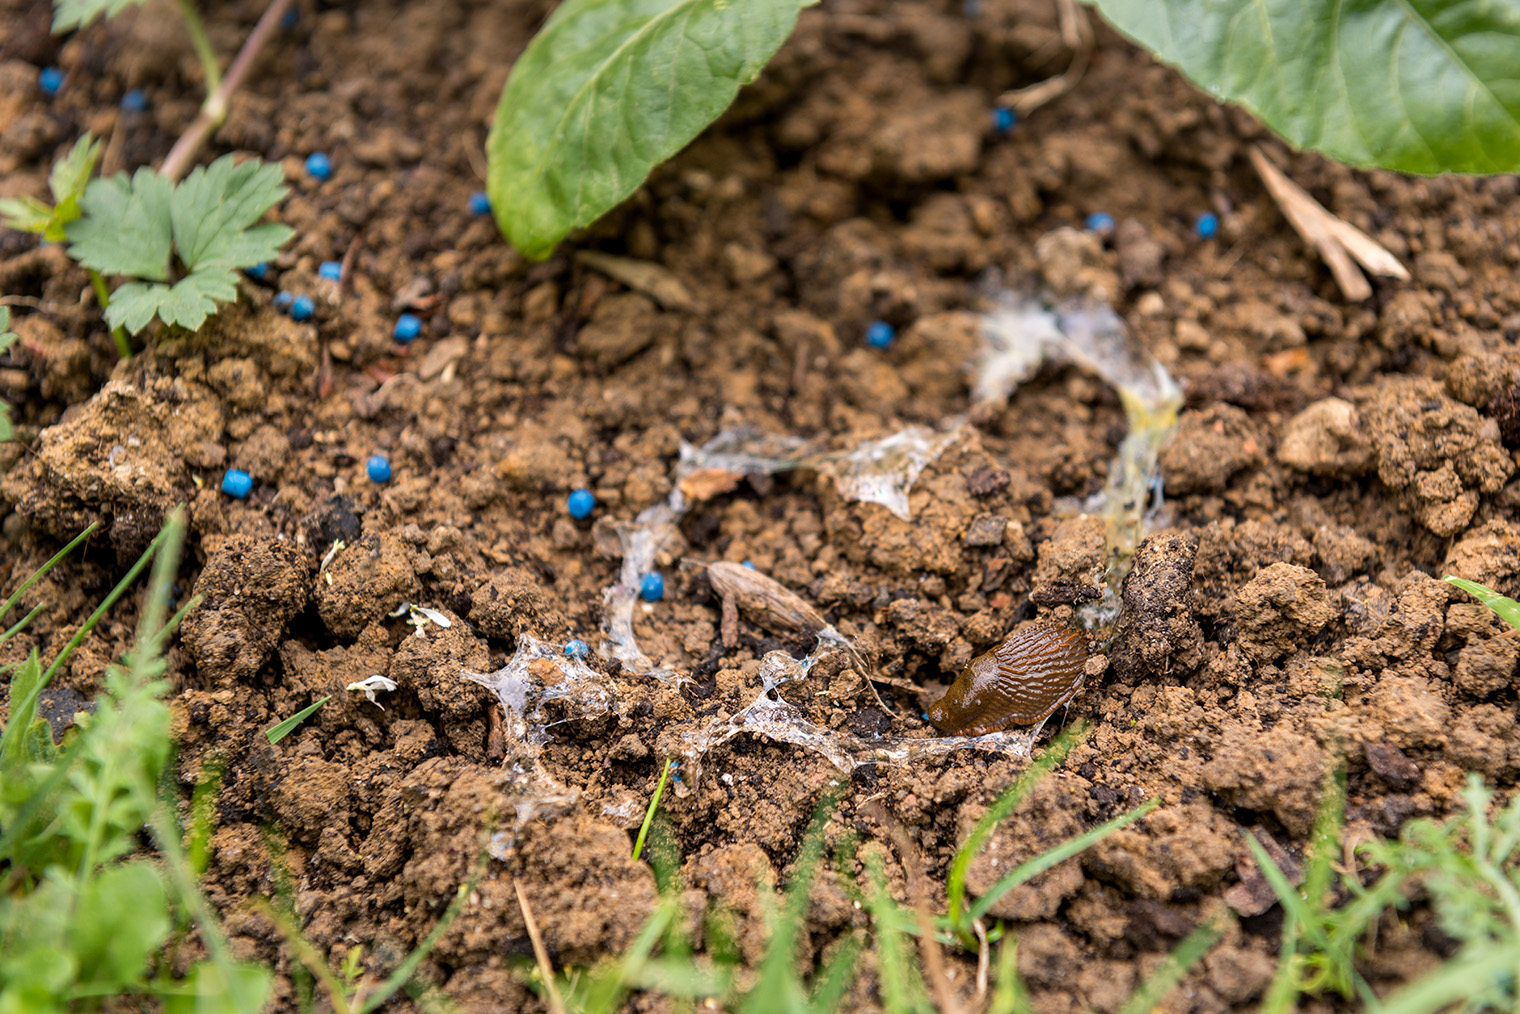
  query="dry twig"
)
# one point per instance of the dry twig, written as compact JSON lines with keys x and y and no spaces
{"x":1341,"y":244}
{"x":556,"y":1003}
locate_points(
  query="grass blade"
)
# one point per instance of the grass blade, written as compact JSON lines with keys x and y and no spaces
{"x":955,"y":888}
{"x":280,"y":730}
{"x":659,"y":790}
{"x":1189,"y":950}
{"x":41,"y":572}
{"x":1062,"y":852}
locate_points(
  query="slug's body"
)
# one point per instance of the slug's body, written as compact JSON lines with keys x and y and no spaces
{"x":1022,"y":681}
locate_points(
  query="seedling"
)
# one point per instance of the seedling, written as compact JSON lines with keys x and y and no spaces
{"x":182,"y":244}
{"x":421,"y":616}
{"x":608,"y":89}
{"x":654,"y":803}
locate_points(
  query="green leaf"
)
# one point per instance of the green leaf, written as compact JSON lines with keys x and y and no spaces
{"x":67,"y":181}
{"x":1422,"y":86}
{"x":277,"y":732}
{"x":123,"y":917}
{"x":25,"y":214}
{"x":214,"y":208}
{"x":187,"y":303}
{"x":125,"y":229}
{"x":69,"y":14}
{"x":1507,"y":609}
{"x":606,"y":91}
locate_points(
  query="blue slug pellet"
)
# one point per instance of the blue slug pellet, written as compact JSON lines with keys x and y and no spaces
{"x":237,"y":483}
{"x":331,"y":270}
{"x":1207,"y":226}
{"x":378,"y":467}
{"x":303,"y":307}
{"x":580,"y":504}
{"x":880,"y":334}
{"x":134,"y":100}
{"x":480,"y":203}
{"x":319,"y":165}
{"x":652,"y":588}
{"x":258,"y":272}
{"x":1100,"y":222}
{"x":50,"y":80}
{"x":284,"y":300}
{"x":577,"y":648}
{"x":1004,"y":119}
{"x":408,"y":326}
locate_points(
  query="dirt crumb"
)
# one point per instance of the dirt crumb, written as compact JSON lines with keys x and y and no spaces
{"x":1280,"y":609}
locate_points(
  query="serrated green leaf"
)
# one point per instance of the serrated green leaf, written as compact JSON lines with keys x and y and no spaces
{"x":606,"y":91}
{"x":1421,"y":86}
{"x":187,"y":303}
{"x":68,"y":14}
{"x":125,"y":229}
{"x":25,"y":214}
{"x":214,"y":207}
{"x":70,"y":175}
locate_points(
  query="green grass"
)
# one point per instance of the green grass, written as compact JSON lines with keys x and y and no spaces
{"x":83,"y":916}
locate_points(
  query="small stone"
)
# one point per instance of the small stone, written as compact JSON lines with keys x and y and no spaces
{"x":985,"y":530}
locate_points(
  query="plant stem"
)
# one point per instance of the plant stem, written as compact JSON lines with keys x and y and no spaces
{"x":214,"y":110}
{"x":103,"y":297}
{"x":204,"y":51}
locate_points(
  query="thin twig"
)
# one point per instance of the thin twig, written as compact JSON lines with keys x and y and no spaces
{"x":1077,"y":34}
{"x":214,"y":111}
{"x":556,"y":1004}
{"x":1340,"y":244}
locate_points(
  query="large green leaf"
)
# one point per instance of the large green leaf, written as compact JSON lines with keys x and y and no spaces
{"x":608,"y":90}
{"x":1417,"y":85}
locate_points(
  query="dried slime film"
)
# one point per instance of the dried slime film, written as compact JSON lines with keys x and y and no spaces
{"x":1021,"y":333}
{"x":877,"y":471}
{"x":773,"y":717}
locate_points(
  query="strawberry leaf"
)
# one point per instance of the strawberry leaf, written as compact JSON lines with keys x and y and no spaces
{"x":125,"y":228}
{"x":69,"y":14}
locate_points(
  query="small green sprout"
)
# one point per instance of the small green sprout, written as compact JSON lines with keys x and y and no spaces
{"x":280,"y":730}
{"x":181,"y":244}
{"x":70,"y":175}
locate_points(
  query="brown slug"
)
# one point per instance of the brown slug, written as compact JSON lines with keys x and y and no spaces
{"x":1022,"y":681}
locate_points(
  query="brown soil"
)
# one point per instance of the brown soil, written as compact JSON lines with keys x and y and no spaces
{"x":1334,"y":460}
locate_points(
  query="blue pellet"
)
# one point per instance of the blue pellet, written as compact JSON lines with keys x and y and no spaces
{"x":134,"y":100}
{"x":577,"y":649}
{"x":580,"y":504}
{"x":408,"y":326}
{"x":880,"y":334}
{"x":284,"y":300}
{"x":331,"y":270}
{"x":1207,"y":225}
{"x":237,"y":484}
{"x":290,"y":19}
{"x":319,"y":165}
{"x":378,"y":468}
{"x":1004,"y":119}
{"x":748,"y":563}
{"x":303,"y":307}
{"x":50,"y":80}
{"x":652,"y":588}
{"x":480,"y":203}
{"x":1100,"y":222}
{"x":258,"y":272}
